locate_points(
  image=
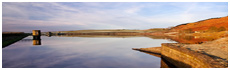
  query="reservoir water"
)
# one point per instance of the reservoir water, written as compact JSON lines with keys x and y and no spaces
{"x":81,"y":52}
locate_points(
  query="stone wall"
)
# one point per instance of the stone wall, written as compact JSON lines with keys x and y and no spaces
{"x":184,"y":58}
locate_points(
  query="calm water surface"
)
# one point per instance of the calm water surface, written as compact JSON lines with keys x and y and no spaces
{"x":81,"y":52}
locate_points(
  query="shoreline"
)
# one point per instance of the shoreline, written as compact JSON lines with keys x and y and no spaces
{"x":189,"y":44}
{"x":10,"y":38}
{"x":208,"y":55}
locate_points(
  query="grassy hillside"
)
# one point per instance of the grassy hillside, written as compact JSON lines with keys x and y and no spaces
{"x":12,"y":37}
{"x":213,"y":24}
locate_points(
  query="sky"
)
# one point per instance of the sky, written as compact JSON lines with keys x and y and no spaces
{"x":64,"y":16}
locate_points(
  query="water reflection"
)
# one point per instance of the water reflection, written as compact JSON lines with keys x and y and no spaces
{"x":177,"y":38}
{"x":37,"y":42}
{"x":81,"y":52}
{"x":87,"y":51}
{"x":25,"y":40}
{"x":36,"y":39}
{"x":164,"y":63}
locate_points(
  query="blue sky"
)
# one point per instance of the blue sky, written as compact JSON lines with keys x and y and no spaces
{"x":62,"y":16}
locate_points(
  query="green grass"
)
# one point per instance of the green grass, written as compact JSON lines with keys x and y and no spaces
{"x":8,"y":39}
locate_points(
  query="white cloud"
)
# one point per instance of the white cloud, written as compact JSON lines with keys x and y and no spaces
{"x":105,"y":15}
{"x":133,"y":10}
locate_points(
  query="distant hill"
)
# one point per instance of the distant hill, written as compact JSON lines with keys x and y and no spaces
{"x":204,"y":25}
{"x":100,"y":31}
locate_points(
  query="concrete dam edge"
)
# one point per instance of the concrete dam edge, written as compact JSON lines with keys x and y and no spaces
{"x":185,"y":58}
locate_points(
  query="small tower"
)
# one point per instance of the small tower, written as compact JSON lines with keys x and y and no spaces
{"x":36,"y":37}
{"x":36,"y":33}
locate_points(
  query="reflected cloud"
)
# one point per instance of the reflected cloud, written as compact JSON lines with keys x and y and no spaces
{"x":80,"y":52}
{"x":164,"y":63}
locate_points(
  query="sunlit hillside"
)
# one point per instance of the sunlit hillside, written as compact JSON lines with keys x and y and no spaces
{"x":220,"y":24}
